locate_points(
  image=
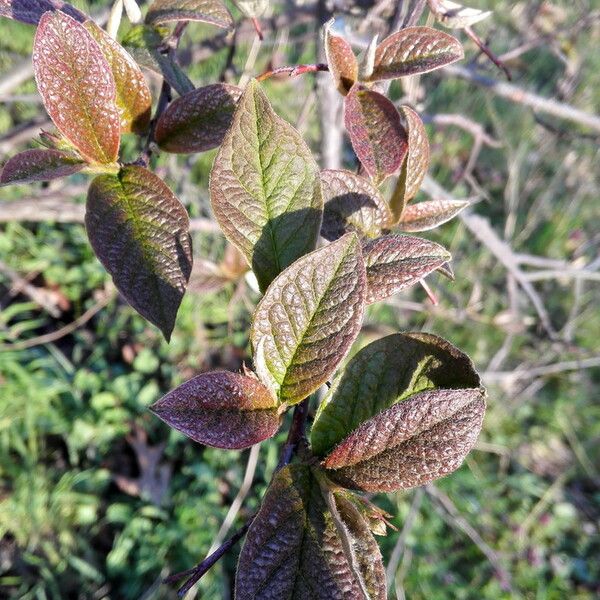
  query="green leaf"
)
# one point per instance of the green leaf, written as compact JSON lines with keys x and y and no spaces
{"x":77,"y":86}
{"x":39,"y":165}
{"x":382,"y":374}
{"x":139,"y":231}
{"x":206,"y":11}
{"x":265,"y":188}
{"x":377,"y":136}
{"x":143,"y":42}
{"x":352,"y":203}
{"x":414,"y":50}
{"x":415,"y":164}
{"x":308,"y":318}
{"x":455,"y":16}
{"x":411,"y":443}
{"x":31,"y":11}
{"x":301,"y":546}
{"x":133,"y":97}
{"x":395,"y":262}
{"x":429,"y":214}
{"x":221,"y":409}
{"x":343,"y":65}
{"x":199,"y":120}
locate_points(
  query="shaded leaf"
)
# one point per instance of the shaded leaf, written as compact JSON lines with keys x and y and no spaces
{"x":206,"y":11}
{"x":374,"y":127}
{"x":265,"y":188}
{"x":429,"y":214}
{"x":221,"y":409}
{"x":294,"y":549}
{"x":411,"y":443}
{"x":206,"y":277}
{"x":197,"y":121}
{"x":139,"y":231}
{"x":386,"y":372}
{"x":39,"y":165}
{"x":308,"y":318}
{"x":133,"y":97}
{"x":414,"y":50}
{"x":143,"y":42}
{"x":455,"y":16}
{"x":31,"y":11}
{"x":341,"y":60}
{"x":352,"y":203}
{"x":415,"y":164}
{"x":395,"y":262}
{"x":77,"y":86}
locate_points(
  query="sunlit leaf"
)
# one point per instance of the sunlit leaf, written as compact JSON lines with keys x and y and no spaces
{"x":143,"y":42}
{"x":455,"y":16}
{"x":429,"y":214}
{"x":221,"y":409}
{"x":265,"y":188}
{"x":133,"y":97}
{"x":139,"y":231}
{"x":308,"y":318}
{"x":411,"y":443}
{"x":77,"y":86}
{"x":395,"y":262}
{"x":197,"y":121}
{"x":341,"y":60}
{"x":415,"y":165}
{"x":207,"y":11}
{"x":39,"y":165}
{"x":382,"y":374}
{"x":297,"y":548}
{"x":31,"y":11}
{"x":374,"y":127}
{"x":352,"y":203}
{"x":414,"y":50}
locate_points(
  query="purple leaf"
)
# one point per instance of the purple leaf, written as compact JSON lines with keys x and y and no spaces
{"x":377,"y":136}
{"x":39,"y":165}
{"x":221,"y":409}
{"x":31,"y":11}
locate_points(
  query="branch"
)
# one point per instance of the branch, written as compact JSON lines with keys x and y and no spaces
{"x":515,"y":94}
{"x":295,"y":434}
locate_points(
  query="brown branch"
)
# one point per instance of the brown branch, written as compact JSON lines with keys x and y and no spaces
{"x":487,"y":51}
{"x":293,"y":71}
{"x":295,"y":434}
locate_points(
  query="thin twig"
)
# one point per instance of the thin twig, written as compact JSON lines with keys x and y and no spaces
{"x":63,"y":331}
{"x":295,"y":434}
{"x":293,"y":71}
{"x":481,"y":45}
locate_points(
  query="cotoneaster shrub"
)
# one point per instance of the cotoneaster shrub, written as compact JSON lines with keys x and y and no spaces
{"x":402,"y":411}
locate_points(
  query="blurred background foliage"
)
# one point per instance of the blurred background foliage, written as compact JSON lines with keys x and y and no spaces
{"x":98,"y":499}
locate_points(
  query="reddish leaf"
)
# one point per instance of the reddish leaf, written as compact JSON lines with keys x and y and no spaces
{"x":199,"y":120}
{"x":77,"y":86}
{"x":351,"y":204}
{"x":139,"y":231}
{"x":427,"y":215}
{"x":207,"y":11}
{"x":301,"y":546}
{"x":30,"y":11}
{"x":414,"y":50}
{"x":133,"y":97}
{"x":415,"y":164}
{"x":377,"y":136}
{"x":341,"y":60}
{"x":39,"y":165}
{"x":411,"y":443}
{"x":395,"y":262}
{"x":221,"y":409}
